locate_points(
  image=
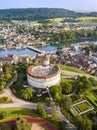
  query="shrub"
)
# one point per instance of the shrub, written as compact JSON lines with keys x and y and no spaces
{"x":48,"y":101}
{"x":3,"y":115}
{"x":21,"y":124}
{"x":40,"y":110}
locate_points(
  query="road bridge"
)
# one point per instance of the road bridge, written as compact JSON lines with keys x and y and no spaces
{"x":35,"y":49}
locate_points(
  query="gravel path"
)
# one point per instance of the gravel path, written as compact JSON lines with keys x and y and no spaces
{"x":16,"y":101}
{"x":36,"y":127}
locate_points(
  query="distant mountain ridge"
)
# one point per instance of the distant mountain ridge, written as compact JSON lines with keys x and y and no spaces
{"x":38,"y":13}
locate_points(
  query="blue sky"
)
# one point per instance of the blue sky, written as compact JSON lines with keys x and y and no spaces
{"x":87,"y":5}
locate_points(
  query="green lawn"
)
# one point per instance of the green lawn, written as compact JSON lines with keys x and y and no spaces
{"x":69,"y":68}
{"x":68,"y":80}
{"x":15,"y":112}
{"x":83,"y":106}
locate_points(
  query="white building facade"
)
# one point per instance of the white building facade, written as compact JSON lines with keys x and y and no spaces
{"x":43,"y":82}
{"x":43,"y":76}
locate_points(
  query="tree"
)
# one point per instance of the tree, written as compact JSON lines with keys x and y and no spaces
{"x":7,"y":68}
{"x":83,"y":123}
{"x":87,"y":84}
{"x":75,"y":97}
{"x":21,"y":124}
{"x":40,"y":110}
{"x":7,"y":76}
{"x":56,"y":90}
{"x":83,"y":83}
{"x":2,"y":85}
{"x":80,"y":86}
{"x":66,"y":102}
{"x":66,"y":88}
{"x":48,"y":101}
{"x":4,"y":114}
{"x":57,"y":97}
{"x":93,"y":81}
{"x":27,"y":93}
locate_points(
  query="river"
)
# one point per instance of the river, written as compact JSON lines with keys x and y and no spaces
{"x":47,"y":48}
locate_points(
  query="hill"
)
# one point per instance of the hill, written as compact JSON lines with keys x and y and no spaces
{"x":93,"y":14}
{"x":37,"y":14}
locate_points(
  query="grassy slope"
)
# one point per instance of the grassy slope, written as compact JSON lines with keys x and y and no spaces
{"x":15,"y":112}
{"x":69,"y":68}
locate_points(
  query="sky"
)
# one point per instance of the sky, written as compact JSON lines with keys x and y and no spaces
{"x":76,"y":5}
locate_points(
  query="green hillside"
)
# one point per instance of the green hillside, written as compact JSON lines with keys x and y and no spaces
{"x":36,"y":14}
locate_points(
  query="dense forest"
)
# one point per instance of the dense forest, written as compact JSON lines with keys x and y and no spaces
{"x":37,"y":14}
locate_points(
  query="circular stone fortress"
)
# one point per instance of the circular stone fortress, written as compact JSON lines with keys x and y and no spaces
{"x":43,"y":76}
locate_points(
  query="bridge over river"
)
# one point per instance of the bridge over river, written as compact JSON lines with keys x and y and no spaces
{"x":35,"y":49}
